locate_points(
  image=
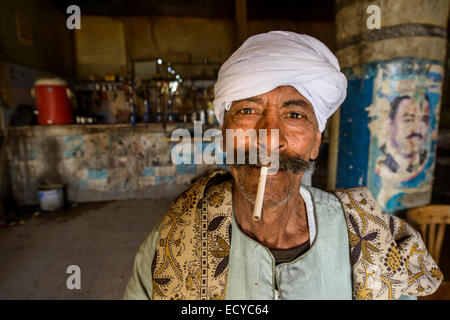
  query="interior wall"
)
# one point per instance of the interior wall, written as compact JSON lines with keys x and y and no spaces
{"x":186,"y":42}
{"x":100,"y":47}
{"x":179,"y":39}
{"x":51,"y":47}
{"x":98,"y":162}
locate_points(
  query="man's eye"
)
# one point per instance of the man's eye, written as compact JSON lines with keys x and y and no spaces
{"x":295,"y":115}
{"x":246,"y":111}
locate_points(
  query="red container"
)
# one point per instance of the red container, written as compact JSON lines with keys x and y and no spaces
{"x":52,"y":101}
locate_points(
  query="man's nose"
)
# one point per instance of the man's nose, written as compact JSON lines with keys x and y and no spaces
{"x":270,"y":134}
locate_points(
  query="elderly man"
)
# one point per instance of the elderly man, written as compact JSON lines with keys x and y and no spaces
{"x":308,"y":244}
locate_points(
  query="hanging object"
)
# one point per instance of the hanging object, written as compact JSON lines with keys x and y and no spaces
{"x":147,"y":105}
{"x":132,"y":88}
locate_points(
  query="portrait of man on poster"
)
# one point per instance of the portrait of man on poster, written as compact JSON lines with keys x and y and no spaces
{"x":405,"y":151}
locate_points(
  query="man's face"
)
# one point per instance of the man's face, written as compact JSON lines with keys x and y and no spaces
{"x":409,"y":128}
{"x":286,"y":110}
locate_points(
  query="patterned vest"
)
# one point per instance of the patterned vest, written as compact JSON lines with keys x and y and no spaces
{"x":388,"y":257}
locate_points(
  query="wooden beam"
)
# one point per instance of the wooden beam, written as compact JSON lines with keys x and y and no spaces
{"x":333,"y":147}
{"x":241,"y":21}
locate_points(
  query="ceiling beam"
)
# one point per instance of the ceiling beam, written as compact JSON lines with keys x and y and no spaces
{"x":241,"y":21}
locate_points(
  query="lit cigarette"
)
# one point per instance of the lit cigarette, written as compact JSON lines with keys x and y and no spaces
{"x":260,"y":194}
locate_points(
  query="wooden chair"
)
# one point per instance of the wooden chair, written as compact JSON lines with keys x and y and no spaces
{"x":429,"y":218}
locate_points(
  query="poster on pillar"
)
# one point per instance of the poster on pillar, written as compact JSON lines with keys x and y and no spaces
{"x":403,"y":124}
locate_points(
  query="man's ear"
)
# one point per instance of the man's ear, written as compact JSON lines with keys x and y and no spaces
{"x":315,"y":150}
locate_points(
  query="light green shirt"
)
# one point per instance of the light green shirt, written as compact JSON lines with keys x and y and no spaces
{"x":323,"y":272}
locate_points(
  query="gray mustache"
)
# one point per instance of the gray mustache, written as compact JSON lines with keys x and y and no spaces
{"x":285,"y":162}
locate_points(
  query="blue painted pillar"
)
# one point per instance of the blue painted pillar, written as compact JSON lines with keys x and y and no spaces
{"x":388,"y":125}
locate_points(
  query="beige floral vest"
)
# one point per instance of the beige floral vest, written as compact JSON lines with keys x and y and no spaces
{"x":388,"y":257}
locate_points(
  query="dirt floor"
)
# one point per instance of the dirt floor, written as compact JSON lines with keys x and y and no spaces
{"x":102,"y":239}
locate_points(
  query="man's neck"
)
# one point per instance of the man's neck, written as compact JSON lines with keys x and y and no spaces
{"x":282,"y":226}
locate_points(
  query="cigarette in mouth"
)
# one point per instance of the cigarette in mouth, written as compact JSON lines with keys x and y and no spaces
{"x":260,"y":194}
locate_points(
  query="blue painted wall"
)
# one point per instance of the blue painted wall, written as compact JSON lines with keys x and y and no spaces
{"x":354,"y":136}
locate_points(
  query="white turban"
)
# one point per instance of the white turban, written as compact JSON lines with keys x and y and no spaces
{"x":281,"y":58}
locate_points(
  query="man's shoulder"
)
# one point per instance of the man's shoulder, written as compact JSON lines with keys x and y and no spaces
{"x":187,"y":201}
{"x":322,"y":196}
{"x":360,"y":194}
{"x":356,"y":200}
{"x":345,"y":200}
{"x":332,"y":192}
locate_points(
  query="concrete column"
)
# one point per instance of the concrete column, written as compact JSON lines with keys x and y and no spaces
{"x":388,"y":125}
